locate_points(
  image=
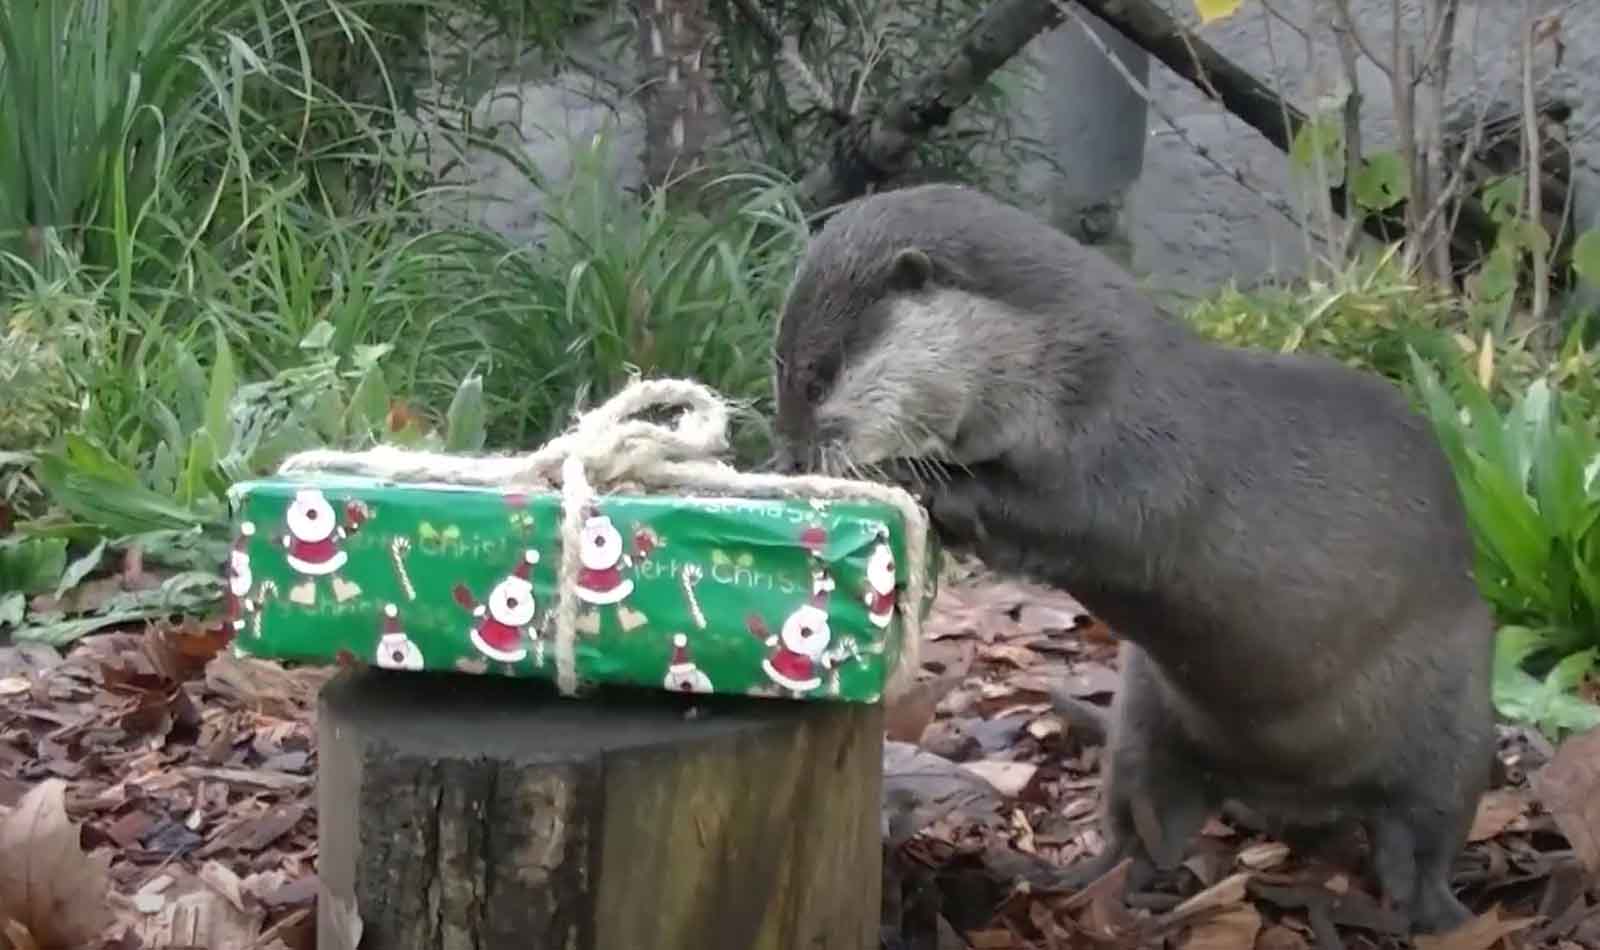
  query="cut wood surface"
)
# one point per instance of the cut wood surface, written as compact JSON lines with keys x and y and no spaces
{"x":486,"y":813}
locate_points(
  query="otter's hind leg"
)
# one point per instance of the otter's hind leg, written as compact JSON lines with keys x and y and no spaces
{"x":1441,"y":762}
{"x":1151,"y":789}
{"x":1412,"y":860}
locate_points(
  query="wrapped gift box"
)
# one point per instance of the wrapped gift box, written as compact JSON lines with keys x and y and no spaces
{"x":791,"y":598}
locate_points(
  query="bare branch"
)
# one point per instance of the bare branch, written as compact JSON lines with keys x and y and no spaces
{"x":1342,"y":8}
{"x":872,"y":150}
{"x":1275,"y":203}
{"x":789,"y":53}
{"x":1531,"y":140}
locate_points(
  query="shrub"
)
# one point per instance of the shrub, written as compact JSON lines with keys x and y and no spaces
{"x":1527,"y":476}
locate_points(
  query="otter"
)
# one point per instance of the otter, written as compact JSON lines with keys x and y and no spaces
{"x":1278,"y":540}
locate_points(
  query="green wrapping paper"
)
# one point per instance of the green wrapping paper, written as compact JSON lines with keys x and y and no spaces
{"x":790,"y":598}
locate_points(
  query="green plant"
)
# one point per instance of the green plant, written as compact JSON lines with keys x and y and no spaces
{"x":173,"y":504}
{"x":1527,"y":476}
{"x":617,"y":287}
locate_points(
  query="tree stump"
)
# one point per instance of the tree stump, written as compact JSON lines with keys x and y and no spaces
{"x":481,"y":813}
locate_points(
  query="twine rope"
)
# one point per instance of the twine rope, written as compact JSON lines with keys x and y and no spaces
{"x":612,"y":444}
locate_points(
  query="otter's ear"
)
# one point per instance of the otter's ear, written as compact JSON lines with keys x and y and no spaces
{"x":911,"y":270}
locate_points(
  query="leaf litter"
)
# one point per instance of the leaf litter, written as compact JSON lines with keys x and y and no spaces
{"x":978,"y":865}
{"x":159,"y":792}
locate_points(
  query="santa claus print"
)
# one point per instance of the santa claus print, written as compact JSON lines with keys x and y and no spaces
{"x":880,"y":595}
{"x":602,"y":561}
{"x":505,"y":621}
{"x":238,"y":602}
{"x":396,"y":651}
{"x":314,"y":543}
{"x":800,"y":654}
{"x":683,"y":676}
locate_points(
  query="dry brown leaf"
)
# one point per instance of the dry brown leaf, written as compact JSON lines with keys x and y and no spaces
{"x":1267,"y":854}
{"x":1569,"y":787}
{"x":226,"y":883}
{"x":997,"y":939}
{"x":15,"y":685}
{"x":1279,"y":937}
{"x":1018,"y":656}
{"x":201,"y":918}
{"x":1036,"y":618}
{"x":1480,"y":933}
{"x":907,"y":717}
{"x":1044,"y":727}
{"x":1233,"y":929}
{"x":47,"y":883}
{"x":1229,"y":890}
{"x":18,"y":936}
{"x":257,"y":684}
{"x":1497,"y":810}
{"x":1010,"y":779}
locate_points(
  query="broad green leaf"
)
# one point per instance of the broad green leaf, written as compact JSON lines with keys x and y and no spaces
{"x":91,"y":485}
{"x":197,"y":471}
{"x":191,"y":390}
{"x":79,"y":569}
{"x":1503,"y":199}
{"x":318,"y":338}
{"x":1586,"y":257}
{"x":1381,"y":182}
{"x":370,"y":402}
{"x":224,"y":384}
{"x":13,"y":607}
{"x":189,"y":593}
{"x":31,"y":565}
{"x":1322,"y":137}
{"x":464,"y":422}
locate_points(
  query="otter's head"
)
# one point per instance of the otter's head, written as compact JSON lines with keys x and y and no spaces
{"x":888,"y":342}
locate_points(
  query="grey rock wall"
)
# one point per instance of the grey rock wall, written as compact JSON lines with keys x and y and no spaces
{"x":1120,"y":174}
{"x":1193,"y":227}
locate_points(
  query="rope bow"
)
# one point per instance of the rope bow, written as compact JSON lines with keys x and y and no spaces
{"x":612,"y":444}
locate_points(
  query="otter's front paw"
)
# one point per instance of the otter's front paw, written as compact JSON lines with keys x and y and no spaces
{"x":955,"y":507}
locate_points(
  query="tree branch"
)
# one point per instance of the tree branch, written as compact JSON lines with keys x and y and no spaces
{"x":873,"y":149}
{"x":1149,"y":27}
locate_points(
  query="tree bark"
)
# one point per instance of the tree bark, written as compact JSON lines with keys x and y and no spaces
{"x":676,"y":94}
{"x":486,"y":813}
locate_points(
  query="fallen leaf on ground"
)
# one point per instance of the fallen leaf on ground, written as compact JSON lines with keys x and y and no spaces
{"x":908,"y":716}
{"x":1279,"y":937}
{"x":1569,"y":787}
{"x":1229,"y":890}
{"x":47,"y":883}
{"x":1268,"y":854}
{"x":1480,"y":933}
{"x":15,"y":685}
{"x":1010,"y":779}
{"x":201,"y":918}
{"x":1497,"y":810}
{"x":1232,"y":929}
